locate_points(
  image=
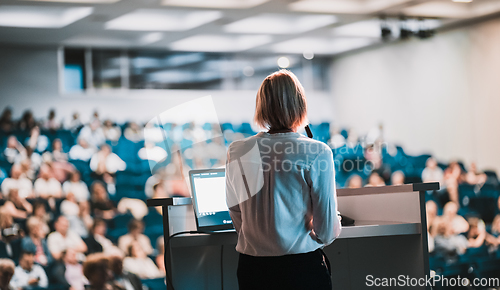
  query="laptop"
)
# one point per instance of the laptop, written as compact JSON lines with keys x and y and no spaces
{"x":208,"y":191}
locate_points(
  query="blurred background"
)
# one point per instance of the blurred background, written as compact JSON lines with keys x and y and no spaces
{"x":403,"y":91}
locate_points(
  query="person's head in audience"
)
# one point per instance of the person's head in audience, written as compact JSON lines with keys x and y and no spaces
{"x":95,"y":124}
{"x":83,"y":143}
{"x":135,"y":228}
{"x":375,"y":179}
{"x":99,"y":192}
{"x":96,"y":269}
{"x":57,"y":145}
{"x":71,"y":197}
{"x":6,"y":220}
{"x":444,"y":228}
{"x":39,"y":210}
{"x":431,"y":163}
{"x":12,"y":142}
{"x":398,"y":178}
{"x":16,"y":171}
{"x":135,"y":251}
{"x":450,"y":209}
{"x":35,"y":228}
{"x":84,"y":207}
{"x":27,"y":259}
{"x":105,"y":149}
{"x":69,"y":256}
{"x":7,"y":268}
{"x":476,"y":227}
{"x":431,"y":210}
{"x":45,"y":172}
{"x":99,"y":227}
{"x":116,"y":264}
{"x":75,"y":176}
{"x":61,"y":225}
{"x":354,"y":181}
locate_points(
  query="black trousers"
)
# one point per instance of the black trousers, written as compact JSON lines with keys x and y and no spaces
{"x":298,"y":271}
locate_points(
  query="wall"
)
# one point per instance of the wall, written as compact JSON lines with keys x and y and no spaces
{"x":29,"y":80}
{"x":439,"y":95}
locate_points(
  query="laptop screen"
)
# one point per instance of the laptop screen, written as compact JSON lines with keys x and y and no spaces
{"x":209,"y":199}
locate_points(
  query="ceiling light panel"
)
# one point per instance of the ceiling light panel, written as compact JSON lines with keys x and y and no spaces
{"x":453,"y":9}
{"x":368,"y":28}
{"x":40,"y":16}
{"x":269,"y":23}
{"x":78,"y":1}
{"x":343,"y":6}
{"x":219,"y":4}
{"x":162,"y":20}
{"x":324,"y":46}
{"x":220,"y":43}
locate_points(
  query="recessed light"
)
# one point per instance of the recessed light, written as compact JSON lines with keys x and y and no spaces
{"x":283,"y":62}
{"x":220,"y":43}
{"x":221,"y":4}
{"x":162,"y":20}
{"x":280,"y":23}
{"x":318,"y":45}
{"x":41,"y":16}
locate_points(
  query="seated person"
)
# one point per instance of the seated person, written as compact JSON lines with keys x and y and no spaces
{"x":375,"y":180}
{"x":133,"y":132}
{"x":100,"y":204}
{"x":36,"y":239}
{"x":63,"y":238}
{"x":106,"y":161}
{"x":135,"y":233}
{"x":457,"y":222}
{"x":398,"y":178}
{"x":71,"y":210}
{"x":77,"y":187}
{"x":40,"y":211}
{"x":37,"y":142}
{"x":28,"y":274}
{"x":354,"y":181}
{"x":93,"y":133}
{"x":15,"y":151}
{"x":160,"y":258}
{"x":111,"y":132}
{"x":96,"y":270}
{"x":97,"y":241}
{"x":68,"y":271}
{"x":432,"y":172}
{"x":123,"y":278}
{"x":57,"y":151}
{"x":477,"y":232}
{"x":81,"y":151}
{"x":18,"y":181}
{"x":10,"y":236}
{"x":447,"y":242}
{"x":18,"y":207}
{"x":139,"y":263}
{"x":46,"y":185}
{"x":473,"y":176}
{"x":493,"y":237}
{"x":7,"y":268}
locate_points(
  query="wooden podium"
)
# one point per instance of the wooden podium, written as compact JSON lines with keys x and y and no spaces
{"x":388,"y":240}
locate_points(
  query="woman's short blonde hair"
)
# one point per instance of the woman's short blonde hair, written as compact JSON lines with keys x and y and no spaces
{"x":281,"y":102}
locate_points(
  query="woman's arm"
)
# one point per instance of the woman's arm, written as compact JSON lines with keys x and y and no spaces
{"x":326,"y":224}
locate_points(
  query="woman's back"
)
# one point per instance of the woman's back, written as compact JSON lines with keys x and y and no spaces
{"x":277,"y":184}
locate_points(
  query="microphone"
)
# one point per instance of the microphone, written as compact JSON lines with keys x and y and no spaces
{"x":308,"y":131}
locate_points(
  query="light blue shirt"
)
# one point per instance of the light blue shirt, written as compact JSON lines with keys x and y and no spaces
{"x":21,"y":277}
{"x":286,"y":202}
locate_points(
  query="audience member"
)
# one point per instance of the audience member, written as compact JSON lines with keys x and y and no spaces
{"x":96,"y":270}
{"x":354,"y":181}
{"x":111,"y":132}
{"x":14,"y":152}
{"x":40,"y":211}
{"x":123,"y":278}
{"x":135,"y":233}
{"x":398,"y":178}
{"x":106,"y":162}
{"x":17,"y":206}
{"x":474,"y":177}
{"x":28,"y":274}
{"x":27,"y":121}
{"x":7,"y":268}
{"x":100,"y":204}
{"x":493,"y":237}
{"x":456,"y":222}
{"x":74,"y":124}
{"x":6,"y":123}
{"x":447,"y":243}
{"x":46,"y":186}
{"x":431,"y":214}
{"x":36,"y":240}
{"x":57,"y":151}
{"x":97,"y":241}
{"x":17,"y":181}
{"x":11,"y":233}
{"x":133,"y":132}
{"x":76,"y":186}
{"x":68,"y":272}
{"x":452,"y":178}
{"x":139,"y":263}
{"x":36,"y":142}
{"x":375,"y":180}
{"x":477,"y":232}
{"x":51,"y":123}
{"x":93,"y":134}
{"x":160,"y":257}
{"x":152,"y":152}
{"x":82,"y":150}
{"x":63,"y":238}
{"x":432,"y":172}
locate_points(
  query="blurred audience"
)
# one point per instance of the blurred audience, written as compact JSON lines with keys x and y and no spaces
{"x":15,"y":151}
{"x":18,"y":181}
{"x":398,"y":178}
{"x":68,"y":272}
{"x":64,"y":238}
{"x":133,"y":132}
{"x":121,"y":277}
{"x":431,"y":172}
{"x":82,"y":150}
{"x":7,"y":269}
{"x":100,"y":204}
{"x":36,"y":240}
{"x":375,"y":180}
{"x":77,"y":187}
{"x":93,"y":134}
{"x":111,"y":132}
{"x":46,"y":186}
{"x":138,"y":262}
